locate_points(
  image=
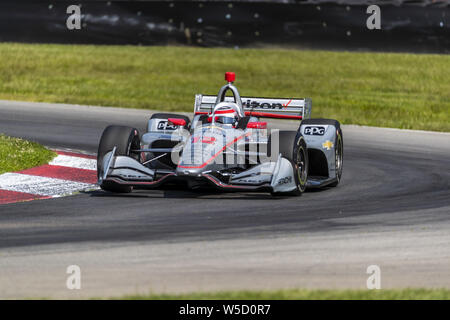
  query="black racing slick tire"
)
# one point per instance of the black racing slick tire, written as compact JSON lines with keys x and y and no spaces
{"x":125,"y":139}
{"x":339,"y":156}
{"x":293,"y":148}
{"x":338,"y":145}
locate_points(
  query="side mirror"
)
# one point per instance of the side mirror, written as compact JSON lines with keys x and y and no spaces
{"x":177,"y":121}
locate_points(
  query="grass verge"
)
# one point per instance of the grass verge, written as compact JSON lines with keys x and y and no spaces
{"x":378,"y":89}
{"x":18,"y":154}
{"x":294,"y":294}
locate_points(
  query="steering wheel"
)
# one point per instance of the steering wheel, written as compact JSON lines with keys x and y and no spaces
{"x":226,"y":105}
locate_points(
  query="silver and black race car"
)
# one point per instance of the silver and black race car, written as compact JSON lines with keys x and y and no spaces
{"x":226,"y":146}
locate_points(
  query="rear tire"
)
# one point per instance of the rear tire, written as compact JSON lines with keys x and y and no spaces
{"x":293,"y":148}
{"x":125,"y":139}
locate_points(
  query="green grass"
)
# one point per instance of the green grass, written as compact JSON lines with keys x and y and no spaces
{"x":377,"y":89}
{"x":18,"y":154}
{"x":294,"y":294}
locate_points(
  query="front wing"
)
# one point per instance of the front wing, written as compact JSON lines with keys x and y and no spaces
{"x":276,"y":176}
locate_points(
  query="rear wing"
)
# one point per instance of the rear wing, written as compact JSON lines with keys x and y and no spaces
{"x":260,"y":107}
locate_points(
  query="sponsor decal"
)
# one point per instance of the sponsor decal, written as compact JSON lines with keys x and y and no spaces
{"x":327,"y":145}
{"x":285,"y":180}
{"x":254,"y":181}
{"x":165,"y":125}
{"x":314,"y":130}
{"x":265,"y":105}
{"x":132,"y":176}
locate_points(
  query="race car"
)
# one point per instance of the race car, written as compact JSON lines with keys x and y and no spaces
{"x":226,"y":147}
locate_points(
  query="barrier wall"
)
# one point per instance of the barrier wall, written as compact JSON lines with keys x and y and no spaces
{"x":418,"y":26}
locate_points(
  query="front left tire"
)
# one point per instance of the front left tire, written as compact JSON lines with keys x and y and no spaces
{"x":125,"y":139}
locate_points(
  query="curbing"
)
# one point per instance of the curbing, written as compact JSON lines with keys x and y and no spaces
{"x":66,"y":174}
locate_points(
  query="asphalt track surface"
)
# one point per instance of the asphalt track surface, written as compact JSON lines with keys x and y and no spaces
{"x":392,"y":209}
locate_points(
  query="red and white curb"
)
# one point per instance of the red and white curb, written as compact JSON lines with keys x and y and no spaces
{"x":66,"y":174}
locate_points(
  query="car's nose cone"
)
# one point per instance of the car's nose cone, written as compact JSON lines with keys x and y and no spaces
{"x":188,"y":172}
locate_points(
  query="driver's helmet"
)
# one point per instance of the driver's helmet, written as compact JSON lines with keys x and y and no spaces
{"x":226,"y":116}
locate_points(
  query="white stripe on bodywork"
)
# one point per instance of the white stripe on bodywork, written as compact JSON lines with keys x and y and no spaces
{"x":74,"y":162}
{"x":41,"y":185}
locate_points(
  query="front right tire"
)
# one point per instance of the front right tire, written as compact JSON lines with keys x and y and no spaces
{"x":292,"y":146}
{"x":338,"y":145}
{"x":339,"y":156}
